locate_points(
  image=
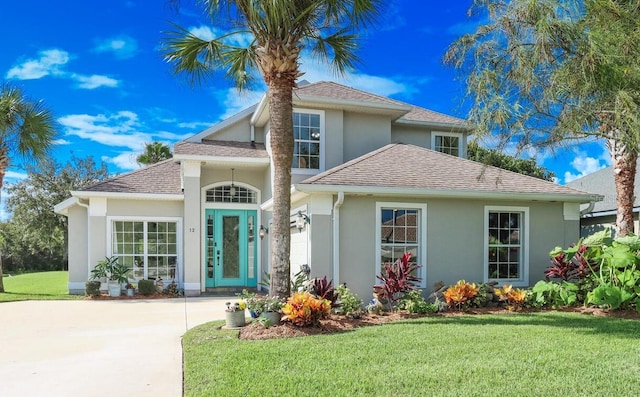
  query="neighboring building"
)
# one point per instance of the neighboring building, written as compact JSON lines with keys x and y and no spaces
{"x":359,"y":198}
{"x":602,"y":214}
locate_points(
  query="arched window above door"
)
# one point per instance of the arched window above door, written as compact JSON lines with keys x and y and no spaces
{"x":231,"y":194}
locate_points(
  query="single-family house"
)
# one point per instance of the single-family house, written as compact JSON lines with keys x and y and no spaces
{"x":372,"y":178}
{"x":601,"y":215}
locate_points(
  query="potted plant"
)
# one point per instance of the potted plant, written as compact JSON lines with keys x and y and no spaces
{"x":131,"y":289}
{"x":115,"y":273}
{"x":234,"y":314}
{"x":253,"y":301}
{"x":272,"y":307}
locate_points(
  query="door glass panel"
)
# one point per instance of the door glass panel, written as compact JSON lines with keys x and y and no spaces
{"x":251,"y":245}
{"x":210,"y":246}
{"x":231,"y":249}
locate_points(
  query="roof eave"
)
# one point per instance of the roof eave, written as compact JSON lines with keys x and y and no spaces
{"x":222,"y":159}
{"x":127,"y":196}
{"x":456,"y":126}
{"x":63,"y":207}
{"x":442,"y":193}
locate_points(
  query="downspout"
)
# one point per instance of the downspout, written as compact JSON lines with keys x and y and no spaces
{"x":589,"y":208}
{"x":336,"y":238}
{"x":81,"y":204}
{"x":253,"y":134}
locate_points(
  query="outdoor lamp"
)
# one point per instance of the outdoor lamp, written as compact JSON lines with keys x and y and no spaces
{"x":263,"y":231}
{"x":301,"y":220}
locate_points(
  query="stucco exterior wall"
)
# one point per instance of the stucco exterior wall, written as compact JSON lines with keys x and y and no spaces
{"x":239,"y":131}
{"x":409,"y":134}
{"x":144,"y":208}
{"x":364,"y":133}
{"x":455,"y":239}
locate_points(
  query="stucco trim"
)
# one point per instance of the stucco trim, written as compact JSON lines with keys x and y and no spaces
{"x":128,"y":196}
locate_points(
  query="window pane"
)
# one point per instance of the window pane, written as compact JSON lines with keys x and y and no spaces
{"x":505,"y":250}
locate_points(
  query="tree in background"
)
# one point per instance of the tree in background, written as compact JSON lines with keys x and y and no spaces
{"x":26,"y":131}
{"x":278,"y":30}
{"x":154,"y":152}
{"x":498,"y":159}
{"x":36,"y":238}
{"x":546,"y":72}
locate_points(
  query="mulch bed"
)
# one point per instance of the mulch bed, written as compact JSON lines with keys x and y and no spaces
{"x":337,"y":324}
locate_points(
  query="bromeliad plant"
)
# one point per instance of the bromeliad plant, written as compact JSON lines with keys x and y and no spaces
{"x":304,"y":309}
{"x":460,"y":294}
{"x":397,"y":279}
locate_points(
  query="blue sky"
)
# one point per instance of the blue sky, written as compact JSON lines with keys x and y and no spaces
{"x":99,"y":68}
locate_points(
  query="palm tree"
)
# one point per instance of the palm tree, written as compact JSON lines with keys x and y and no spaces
{"x":278,"y":30}
{"x":154,"y":152}
{"x":26,"y":130}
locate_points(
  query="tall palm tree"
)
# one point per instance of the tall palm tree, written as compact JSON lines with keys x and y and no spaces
{"x":26,"y":131}
{"x":277,"y":32}
{"x":154,"y":152}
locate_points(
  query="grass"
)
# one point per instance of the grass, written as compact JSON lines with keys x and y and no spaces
{"x":37,"y":286}
{"x":536,"y":354}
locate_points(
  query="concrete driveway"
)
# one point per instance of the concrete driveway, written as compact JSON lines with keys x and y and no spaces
{"x":98,"y":348}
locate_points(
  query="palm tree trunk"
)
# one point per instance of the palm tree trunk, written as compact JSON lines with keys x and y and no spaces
{"x":4,"y":162}
{"x":624,"y":174}
{"x":281,"y":130}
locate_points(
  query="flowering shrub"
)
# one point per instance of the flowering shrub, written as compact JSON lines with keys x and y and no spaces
{"x":460,"y":294}
{"x":304,"y":309}
{"x":514,"y":298}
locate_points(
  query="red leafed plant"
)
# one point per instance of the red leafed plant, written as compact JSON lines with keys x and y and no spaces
{"x":397,"y":279}
{"x":569,"y":264}
{"x":324,"y":289}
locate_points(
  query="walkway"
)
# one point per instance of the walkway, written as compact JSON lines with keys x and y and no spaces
{"x":98,"y":348}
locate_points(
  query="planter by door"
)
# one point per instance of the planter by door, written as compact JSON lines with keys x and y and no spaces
{"x":234,"y":319}
{"x":130,"y":292}
{"x":273,"y":317}
{"x":114,"y":289}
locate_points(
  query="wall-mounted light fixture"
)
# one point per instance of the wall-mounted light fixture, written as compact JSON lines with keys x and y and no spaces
{"x":263,"y":231}
{"x":301,"y":220}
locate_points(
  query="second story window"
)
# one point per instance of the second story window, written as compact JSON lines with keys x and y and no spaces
{"x":307,"y":134}
{"x":449,"y":143}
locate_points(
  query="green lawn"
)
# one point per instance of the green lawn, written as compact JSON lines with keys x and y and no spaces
{"x":37,"y":286}
{"x":537,"y":354}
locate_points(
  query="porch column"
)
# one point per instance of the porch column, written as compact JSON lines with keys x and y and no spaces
{"x":192,"y":255}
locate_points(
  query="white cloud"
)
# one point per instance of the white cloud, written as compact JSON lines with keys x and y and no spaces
{"x":117,"y":130}
{"x":61,"y":142}
{"x":48,"y":63}
{"x":15,"y":175}
{"x":234,"y":101}
{"x":125,"y":161}
{"x":123,"y":47}
{"x":208,"y":33}
{"x":584,"y":166}
{"x":94,"y":81}
{"x":193,"y":125}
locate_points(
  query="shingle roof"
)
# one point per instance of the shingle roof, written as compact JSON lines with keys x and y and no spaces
{"x":400,"y":165}
{"x":159,"y":178}
{"x":334,"y":90}
{"x":222,"y":149}
{"x":601,"y":182}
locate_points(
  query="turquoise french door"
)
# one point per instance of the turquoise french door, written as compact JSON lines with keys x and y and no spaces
{"x":230,"y":248}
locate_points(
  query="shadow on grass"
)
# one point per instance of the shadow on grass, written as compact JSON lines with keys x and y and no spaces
{"x":581,"y":323}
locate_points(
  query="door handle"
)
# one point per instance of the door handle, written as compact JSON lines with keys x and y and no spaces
{"x":218,"y":257}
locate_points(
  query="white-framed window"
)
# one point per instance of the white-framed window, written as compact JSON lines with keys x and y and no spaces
{"x":308,"y":135}
{"x":447,"y":142}
{"x":400,"y":228}
{"x":506,"y":236}
{"x":149,"y":247}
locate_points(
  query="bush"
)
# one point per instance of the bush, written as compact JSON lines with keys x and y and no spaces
{"x":92,"y":288}
{"x":414,"y":302}
{"x":147,"y":287}
{"x":172,"y":289}
{"x":324,"y":289}
{"x":349,"y":303}
{"x":397,"y":279}
{"x":513,"y":298}
{"x":460,"y":294}
{"x":304,"y":309}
